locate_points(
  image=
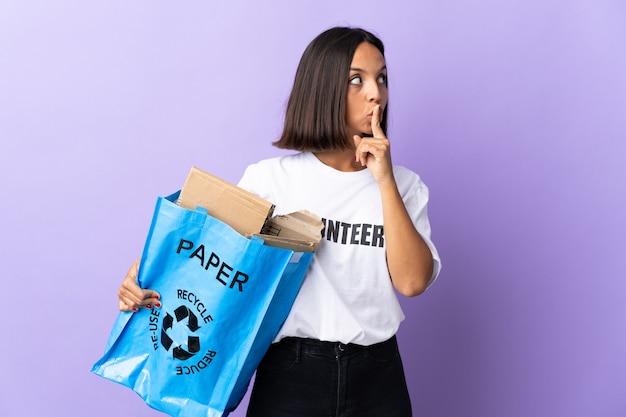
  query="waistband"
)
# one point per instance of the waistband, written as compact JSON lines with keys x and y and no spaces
{"x":314,"y":346}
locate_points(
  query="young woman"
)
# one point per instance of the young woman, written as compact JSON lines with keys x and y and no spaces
{"x":336,"y":354}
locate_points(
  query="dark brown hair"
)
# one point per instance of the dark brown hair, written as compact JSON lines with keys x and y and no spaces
{"x":315,"y":119}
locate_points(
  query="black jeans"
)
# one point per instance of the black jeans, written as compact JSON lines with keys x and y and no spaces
{"x":308,"y":378}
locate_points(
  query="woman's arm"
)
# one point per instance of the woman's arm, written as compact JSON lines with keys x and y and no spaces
{"x":409,"y":259}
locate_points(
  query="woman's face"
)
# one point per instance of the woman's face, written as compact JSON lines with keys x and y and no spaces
{"x":367,"y":88}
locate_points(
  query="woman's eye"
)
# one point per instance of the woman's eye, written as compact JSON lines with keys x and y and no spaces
{"x":355,"y":80}
{"x":382,"y":79}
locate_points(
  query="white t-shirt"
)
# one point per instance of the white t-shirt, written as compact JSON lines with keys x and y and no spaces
{"x":347,"y":295}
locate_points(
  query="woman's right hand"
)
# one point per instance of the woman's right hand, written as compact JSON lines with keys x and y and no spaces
{"x":132,"y":297}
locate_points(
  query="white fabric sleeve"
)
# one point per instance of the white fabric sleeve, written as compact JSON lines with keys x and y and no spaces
{"x":416,"y":201}
{"x":256,"y":181}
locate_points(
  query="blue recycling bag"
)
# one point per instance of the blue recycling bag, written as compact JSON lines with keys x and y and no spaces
{"x":224,"y":298}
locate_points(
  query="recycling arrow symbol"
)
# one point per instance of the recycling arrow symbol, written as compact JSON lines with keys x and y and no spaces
{"x":193,"y":342}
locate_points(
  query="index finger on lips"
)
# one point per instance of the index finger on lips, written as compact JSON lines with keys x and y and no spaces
{"x":377,"y":130}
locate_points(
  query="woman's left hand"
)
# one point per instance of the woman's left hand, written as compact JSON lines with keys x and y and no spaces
{"x":374,"y":152}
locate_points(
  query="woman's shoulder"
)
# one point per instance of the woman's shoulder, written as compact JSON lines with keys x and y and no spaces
{"x":406,"y":175}
{"x":264,"y":173}
{"x":279,"y":163}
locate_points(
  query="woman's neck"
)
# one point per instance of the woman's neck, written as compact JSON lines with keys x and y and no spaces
{"x":340,"y":160}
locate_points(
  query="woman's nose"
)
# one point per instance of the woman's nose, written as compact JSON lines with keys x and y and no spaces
{"x":373,"y":92}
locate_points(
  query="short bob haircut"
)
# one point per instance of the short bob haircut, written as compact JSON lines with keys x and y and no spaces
{"x":315,"y":119}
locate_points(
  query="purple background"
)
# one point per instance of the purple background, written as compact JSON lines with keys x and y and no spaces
{"x":513,"y":112}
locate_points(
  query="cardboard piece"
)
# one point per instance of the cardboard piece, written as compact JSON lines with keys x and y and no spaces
{"x":249,"y":214}
{"x":240,"y":209}
{"x":299,"y":231}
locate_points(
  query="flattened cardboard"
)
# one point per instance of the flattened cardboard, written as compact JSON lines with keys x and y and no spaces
{"x":299,"y":225}
{"x":240,"y":209}
{"x":249,"y":214}
{"x":301,"y":230}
